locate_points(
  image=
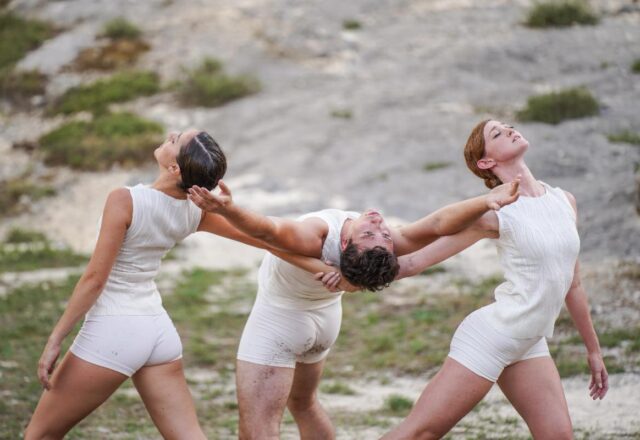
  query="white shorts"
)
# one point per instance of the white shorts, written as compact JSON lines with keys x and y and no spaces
{"x":281,"y":337}
{"x":481,"y":349}
{"x":127,"y":343}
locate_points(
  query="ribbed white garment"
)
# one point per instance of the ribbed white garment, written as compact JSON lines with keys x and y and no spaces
{"x":158,"y":222}
{"x":538,"y":248}
{"x":284,"y":285}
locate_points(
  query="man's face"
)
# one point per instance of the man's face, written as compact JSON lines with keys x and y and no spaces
{"x":369,"y":230}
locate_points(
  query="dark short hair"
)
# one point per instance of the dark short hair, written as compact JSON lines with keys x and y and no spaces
{"x":372,"y":269}
{"x":201,"y":162}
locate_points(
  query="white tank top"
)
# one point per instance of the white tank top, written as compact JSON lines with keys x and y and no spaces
{"x":284,"y":285}
{"x":538,"y":248}
{"x":158,"y":222}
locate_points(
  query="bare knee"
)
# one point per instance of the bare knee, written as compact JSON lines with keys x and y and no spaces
{"x":558,"y":433}
{"x":32,"y":432}
{"x":301,"y":402}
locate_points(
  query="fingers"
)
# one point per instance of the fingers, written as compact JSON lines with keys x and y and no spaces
{"x":318,"y":276}
{"x":224,"y":188}
{"x":494,"y":205}
{"x":43,"y":376}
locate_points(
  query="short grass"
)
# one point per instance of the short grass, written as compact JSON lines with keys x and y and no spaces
{"x":19,"y":36}
{"x":625,"y":137}
{"x":25,"y":250}
{"x":560,"y":13}
{"x":17,"y":193}
{"x":343,"y":113}
{"x":122,"y":138}
{"x":97,"y":96}
{"x":121,"y":28}
{"x":635,"y":67}
{"x":115,"y":54}
{"x":433,"y":166}
{"x":208,"y":85}
{"x":351,"y":24}
{"x":555,"y":107}
{"x":19,"y":86}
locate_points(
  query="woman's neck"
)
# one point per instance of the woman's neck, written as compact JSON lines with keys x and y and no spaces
{"x":529,"y":186}
{"x":168,"y":186}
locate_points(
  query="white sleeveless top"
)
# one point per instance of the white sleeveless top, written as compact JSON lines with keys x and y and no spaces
{"x":538,"y":249}
{"x":158,"y":222}
{"x":282,"y":284}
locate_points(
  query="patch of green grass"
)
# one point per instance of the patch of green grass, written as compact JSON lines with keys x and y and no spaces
{"x":19,"y":36}
{"x":398,"y":405}
{"x":96,"y":97}
{"x":342,"y":114}
{"x":627,"y":137}
{"x":19,"y":86}
{"x":351,"y":24}
{"x":121,"y":28}
{"x":338,"y":388}
{"x":561,"y":13}
{"x":122,"y":138}
{"x":16,"y":194}
{"x":208,"y":85}
{"x":614,"y":338}
{"x":635,"y":67}
{"x":438,"y":268}
{"x":553,"y":108}
{"x":19,"y":235}
{"x":432,"y":166}
{"x":28,"y":250}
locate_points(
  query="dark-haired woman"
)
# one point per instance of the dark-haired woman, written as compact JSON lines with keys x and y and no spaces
{"x":505,"y":342}
{"x":127,"y":332}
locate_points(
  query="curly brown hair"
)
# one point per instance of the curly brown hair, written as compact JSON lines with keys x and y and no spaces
{"x":372,"y":269}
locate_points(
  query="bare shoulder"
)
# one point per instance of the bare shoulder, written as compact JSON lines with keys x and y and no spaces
{"x":317,"y":225}
{"x":119,"y":204}
{"x":572,"y":200}
{"x":488,"y":224}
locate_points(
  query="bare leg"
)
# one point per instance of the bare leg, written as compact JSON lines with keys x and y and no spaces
{"x":78,"y":387}
{"x":164,"y":390}
{"x":448,"y":397}
{"x":263,"y":392}
{"x":534,"y":389}
{"x":313,"y":421}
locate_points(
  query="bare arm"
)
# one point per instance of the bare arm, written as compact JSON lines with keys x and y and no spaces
{"x":438,"y":251}
{"x":452,"y":218}
{"x":116,"y":219}
{"x":299,"y":237}
{"x":578,"y":307}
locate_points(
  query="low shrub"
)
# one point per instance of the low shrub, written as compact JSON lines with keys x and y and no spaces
{"x":553,"y":108}
{"x":120,"y":28}
{"x":635,"y":67}
{"x":351,"y":25}
{"x":17,"y":193}
{"x":19,"y":36}
{"x":627,"y":137}
{"x":208,"y":85}
{"x":97,"y":96}
{"x":122,"y":138}
{"x":19,"y":86}
{"x":560,"y":14}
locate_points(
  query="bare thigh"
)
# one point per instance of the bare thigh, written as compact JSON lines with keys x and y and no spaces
{"x":263,"y":392}
{"x":534,"y":389}
{"x":447,"y":398}
{"x":78,"y":387}
{"x":306,"y":379}
{"x":165,"y":393}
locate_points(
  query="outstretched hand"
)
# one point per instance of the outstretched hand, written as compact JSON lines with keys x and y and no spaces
{"x":504,"y":194}
{"x":210,"y":202}
{"x":599,"y":384}
{"x":47,"y":363}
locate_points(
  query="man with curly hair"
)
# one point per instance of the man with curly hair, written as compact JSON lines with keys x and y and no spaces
{"x":295,"y":320}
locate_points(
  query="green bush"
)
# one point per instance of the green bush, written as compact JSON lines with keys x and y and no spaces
{"x":122,"y":138}
{"x":398,"y":405}
{"x":209,"y":86}
{"x":19,"y":235}
{"x":635,"y":67}
{"x":627,"y":137}
{"x":121,"y":29}
{"x":96,"y":97}
{"x":560,"y":14}
{"x":433,"y":166}
{"x":556,"y":107}
{"x":19,"y":86}
{"x":19,"y":36}
{"x":18,"y":192}
{"x":351,"y":25}
{"x":32,"y":250}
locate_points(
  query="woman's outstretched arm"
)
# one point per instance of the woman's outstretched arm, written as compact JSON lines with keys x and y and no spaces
{"x":116,"y":218}
{"x":578,"y":306}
